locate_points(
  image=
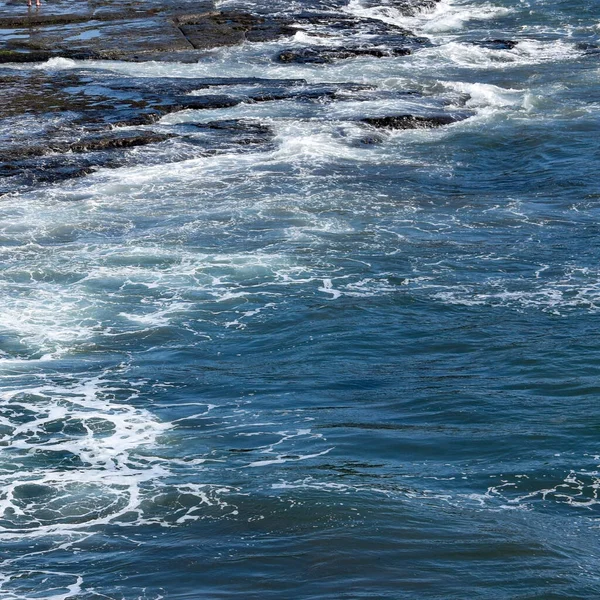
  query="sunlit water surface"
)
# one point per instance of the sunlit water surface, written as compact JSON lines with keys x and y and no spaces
{"x":324,"y":369}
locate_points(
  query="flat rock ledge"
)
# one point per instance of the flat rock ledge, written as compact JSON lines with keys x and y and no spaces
{"x":168,"y":30}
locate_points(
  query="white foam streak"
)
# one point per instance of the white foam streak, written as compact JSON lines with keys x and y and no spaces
{"x":578,"y":489}
{"x":99,"y":438}
{"x":71,"y":590}
{"x":57,"y":64}
{"x":557,"y":297}
{"x":471,"y":56}
{"x":281,"y":460}
{"x":482,"y":95}
{"x":447,"y":16}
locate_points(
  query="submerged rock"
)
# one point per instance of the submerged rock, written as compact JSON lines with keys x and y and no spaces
{"x":497,"y":44}
{"x":237,"y":125}
{"x":59,"y":159}
{"x":24,"y":174}
{"x":236,"y":132}
{"x":371,"y":140}
{"x":588,"y":48}
{"x":75,"y":112}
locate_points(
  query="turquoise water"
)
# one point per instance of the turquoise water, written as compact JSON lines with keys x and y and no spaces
{"x":321,"y":369}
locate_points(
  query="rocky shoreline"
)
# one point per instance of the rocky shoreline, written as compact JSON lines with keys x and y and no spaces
{"x":90,"y":118}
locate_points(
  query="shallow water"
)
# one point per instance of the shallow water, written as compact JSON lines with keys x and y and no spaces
{"x":322,"y":369}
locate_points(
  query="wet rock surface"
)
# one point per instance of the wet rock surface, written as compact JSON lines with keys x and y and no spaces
{"x":415,"y":121}
{"x":329,"y":55}
{"x":167,"y":29}
{"x":404,"y":6}
{"x":497,"y":44}
{"x":589,"y":48}
{"x":90,"y":143}
{"x":67,"y":122}
{"x":211,"y":30}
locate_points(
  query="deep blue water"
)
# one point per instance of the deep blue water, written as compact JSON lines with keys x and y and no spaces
{"x":324,"y":370}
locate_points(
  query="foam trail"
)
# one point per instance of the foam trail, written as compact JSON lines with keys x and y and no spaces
{"x":446,"y":16}
{"x":107,"y":475}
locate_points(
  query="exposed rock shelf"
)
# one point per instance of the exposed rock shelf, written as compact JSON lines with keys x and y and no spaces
{"x":82,"y":119}
{"x":160,"y":30}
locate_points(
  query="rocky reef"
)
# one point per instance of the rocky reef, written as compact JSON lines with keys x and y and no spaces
{"x":63,"y":123}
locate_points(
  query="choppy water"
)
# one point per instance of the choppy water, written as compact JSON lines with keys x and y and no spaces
{"x":324,"y":369}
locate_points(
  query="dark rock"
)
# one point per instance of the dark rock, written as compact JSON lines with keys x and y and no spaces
{"x":237,"y":125}
{"x":70,"y":115}
{"x":15,"y":56}
{"x":207,"y":102}
{"x":124,"y":139}
{"x":93,"y":143}
{"x":406,"y":7}
{"x":61,"y":173}
{"x":370,"y":140}
{"x":497,"y":44}
{"x":267,"y":32}
{"x":413,"y":121}
{"x":328,"y":55}
{"x":318,"y":92}
{"x":588,"y":48}
{"x":61,"y":155}
{"x":119,"y":39}
{"x":133,"y":120}
{"x":229,"y":28}
{"x":29,"y":19}
{"x":167,"y":90}
{"x":339,"y":23}
{"x":20,"y":176}
{"x":175,"y":30}
{"x":236,"y":132}
{"x":26,"y":56}
{"x":385,"y":39}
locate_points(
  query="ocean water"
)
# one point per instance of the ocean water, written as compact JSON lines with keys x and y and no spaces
{"x":321,"y":369}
